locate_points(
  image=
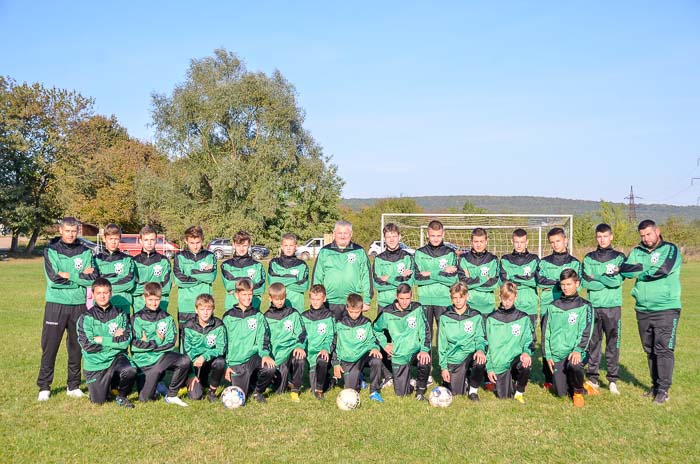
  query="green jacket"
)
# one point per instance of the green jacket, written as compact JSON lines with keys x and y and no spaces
{"x":287,"y":332}
{"x":483,"y":279}
{"x":408,"y":330}
{"x":459,"y":336}
{"x":72,"y":258}
{"x":208,"y":341}
{"x":509,"y":333}
{"x":293,"y":273}
{"x":152,"y":267}
{"x":658,"y":272}
{"x":548,"y":272}
{"x":435,"y":289}
{"x":102,"y":322}
{"x":601,"y":276}
{"x":391,"y":263}
{"x":320,"y":330}
{"x":151,"y":324}
{"x":247,"y":333}
{"x":191,"y":278}
{"x":342,"y":272}
{"x":353,"y":339}
{"x":242,"y":267}
{"x":567,"y":328}
{"x":520,"y":268}
{"x":119,"y":269}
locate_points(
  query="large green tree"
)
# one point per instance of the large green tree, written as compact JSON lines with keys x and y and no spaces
{"x":241,"y":156}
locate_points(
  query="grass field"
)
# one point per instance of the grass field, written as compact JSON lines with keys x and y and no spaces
{"x":547,"y":429}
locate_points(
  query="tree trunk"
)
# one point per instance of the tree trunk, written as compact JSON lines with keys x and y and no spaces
{"x":32,"y":240}
{"x":15,"y":241}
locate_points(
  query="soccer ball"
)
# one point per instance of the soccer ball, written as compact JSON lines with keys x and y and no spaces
{"x":440,"y":397}
{"x":348,"y":399}
{"x":232,"y":397}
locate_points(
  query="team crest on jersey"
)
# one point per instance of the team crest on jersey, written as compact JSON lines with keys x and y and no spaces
{"x":321,"y":329}
{"x":484,"y":271}
{"x":211,"y":340}
{"x":610,"y":269}
{"x":515,"y":329}
{"x":161,"y":328}
{"x":655,"y":257}
{"x":361,"y":334}
{"x":572,"y":318}
{"x":412,"y":322}
{"x":157,"y":270}
{"x":113,"y":326}
{"x":78,"y":263}
{"x":288,"y":326}
{"x":294,"y":272}
{"x":118,"y":268}
{"x":351,"y":258}
{"x":251,"y":273}
{"x":468,"y":327}
{"x":443,"y":264}
{"x":252,"y":323}
{"x":400,"y":267}
{"x":527,"y":270}
{"x":202,"y":265}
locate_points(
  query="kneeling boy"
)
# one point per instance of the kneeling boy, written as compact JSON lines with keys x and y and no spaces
{"x":319,"y":322}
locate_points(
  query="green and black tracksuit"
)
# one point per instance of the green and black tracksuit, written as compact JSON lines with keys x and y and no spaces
{"x":567,"y":329}
{"x":392,"y":264}
{"x":480,"y":272}
{"x":287,"y":333}
{"x":152,"y":267}
{"x":209,"y":342}
{"x":65,"y":302}
{"x":657,"y":294}
{"x":459,"y":338}
{"x":353,"y":341}
{"x":242,"y":267}
{"x":320,"y":330}
{"x":602,"y":278}
{"x":293,"y":273}
{"x":520,"y":268}
{"x":409,"y":336}
{"x":248,"y":337}
{"x":106,"y":363}
{"x":434,"y":290}
{"x":194,"y":275}
{"x":343,"y":271}
{"x":509,"y":334}
{"x":119,"y":269}
{"x":154,"y":355}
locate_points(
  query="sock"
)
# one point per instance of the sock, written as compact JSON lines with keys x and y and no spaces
{"x":517,"y":394}
{"x":473,"y":390}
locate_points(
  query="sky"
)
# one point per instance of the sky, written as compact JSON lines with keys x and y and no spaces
{"x":561,"y":99}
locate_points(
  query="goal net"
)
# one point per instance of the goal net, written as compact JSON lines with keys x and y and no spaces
{"x":500,"y":227}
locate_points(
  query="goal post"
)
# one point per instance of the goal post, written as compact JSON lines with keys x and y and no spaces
{"x":500,"y":227}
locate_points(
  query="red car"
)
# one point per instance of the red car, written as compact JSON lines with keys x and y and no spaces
{"x":131,"y":244}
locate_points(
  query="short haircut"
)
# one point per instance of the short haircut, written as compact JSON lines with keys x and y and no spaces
{"x":459,"y":288}
{"x":603,"y":228}
{"x":244,"y":284}
{"x":645,"y":224}
{"x":391,"y":227}
{"x":318,"y":289}
{"x":480,"y":232}
{"x":242,"y":237}
{"x":519,"y":233}
{"x":342,"y":223}
{"x":402,"y":289}
{"x":69,"y":221}
{"x":508,"y":289}
{"x":194,"y":232}
{"x":556,"y":231}
{"x":204,"y":299}
{"x":101,"y":282}
{"x":435,"y":225}
{"x":112,"y":229}
{"x":277,"y":290}
{"x":152,"y":289}
{"x":147,"y":230}
{"x":354,"y":301}
{"x":569,"y":273}
{"x":289,"y":236}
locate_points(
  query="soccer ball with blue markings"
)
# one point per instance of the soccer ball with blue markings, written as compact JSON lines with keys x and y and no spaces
{"x":232,"y":397}
{"x":440,"y":397}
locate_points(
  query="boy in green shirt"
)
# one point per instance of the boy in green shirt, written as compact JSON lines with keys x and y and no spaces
{"x":520,"y":267}
{"x":242,"y":266}
{"x":118,"y":268}
{"x":290,"y":271}
{"x":319,"y":322}
{"x":151,"y":266}
{"x":480,"y":273}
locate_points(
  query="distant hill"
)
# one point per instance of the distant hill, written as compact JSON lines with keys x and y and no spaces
{"x":535,"y":205}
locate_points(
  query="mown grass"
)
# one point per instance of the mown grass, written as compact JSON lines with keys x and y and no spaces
{"x":547,"y":429}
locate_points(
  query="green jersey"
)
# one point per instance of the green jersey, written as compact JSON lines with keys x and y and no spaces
{"x":658,"y":271}
{"x":548,"y":272}
{"x":242,"y":267}
{"x":194,"y":275}
{"x":509,"y":333}
{"x":208,"y":342}
{"x":567,"y":328}
{"x":293,"y":273}
{"x":520,"y":269}
{"x":601,"y":276}
{"x":102,"y":322}
{"x":459,"y":336}
{"x":247,"y":333}
{"x":480,"y":273}
{"x":287,"y":332}
{"x":391,"y":264}
{"x":151,"y":325}
{"x":408,"y":330}
{"x":354,"y":338}
{"x":434,"y":290}
{"x":320,"y":330}
{"x":119,"y":269}
{"x":152,"y":267}
{"x":73,"y":258}
{"x":343,"y":271}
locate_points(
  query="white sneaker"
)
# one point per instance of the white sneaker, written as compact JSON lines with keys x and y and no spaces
{"x":44,"y":395}
{"x":175,"y":400}
{"x":412,"y":383}
{"x":77,"y":393}
{"x":613,"y":388}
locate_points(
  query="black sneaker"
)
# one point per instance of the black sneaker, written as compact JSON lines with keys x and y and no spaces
{"x":259,"y":398}
{"x":661,"y":397}
{"x":421,"y":397}
{"x":123,"y":401}
{"x":473,"y":397}
{"x":318,"y":394}
{"x":649,"y":393}
{"x":211,"y":396}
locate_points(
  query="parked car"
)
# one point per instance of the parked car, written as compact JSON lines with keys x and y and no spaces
{"x":131,"y":244}
{"x":376,"y":248}
{"x":310,"y":249}
{"x":94,"y":247}
{"x":222,"y":248}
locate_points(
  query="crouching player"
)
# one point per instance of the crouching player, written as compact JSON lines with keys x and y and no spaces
{"x":356,"y":347}
{"x":461,"y":344}
{"x":288,"y":341}
{"x":250,"y":366}
{"x":567,"y":333}
{"x":509,"y":334}
{"x":104,"y":334}
{"x":319,"y":322}
{"x":411,"y":342}
{"x":205,"y":345}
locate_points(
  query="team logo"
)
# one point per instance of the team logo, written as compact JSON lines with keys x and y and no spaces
{"x":468,"y":327}
{"x":211,"y":340}
{"x":202,"y":266}
{"x":400,"y":268}
{"x":161,"y":328}
{"x":113,"y":326}
{"x":351,"y":258}
{"x":157,"y":270}
{"x":655,"y":257}
{"x":515,"y":329}
{"x":321,"y":329}
{"x":412,"y":322}
{"x":443,"y":264}
{"x":610,"y":269}
{"x":252,"y":323}
{"x":294,"y":272}
{"x":288,"y":326}
{"x":527,"y":270}
{"x":484,"y":271}
{"x":118,"y":268}
{"x":361,"y":334}
{"x":572,"y":318}
{"x":251,"y":273}
{"x":78,"y":263}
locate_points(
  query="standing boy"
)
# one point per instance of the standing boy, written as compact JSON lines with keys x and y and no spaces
{"x":519,"y":267}
{"x":319,"y":322}
{"x":392,"y":268}
{"x":480,"y":268}
{"x":242,"y":266}
{"x":151,"y":266}
{"x":291,"y":272}
{"x":118,"y":268}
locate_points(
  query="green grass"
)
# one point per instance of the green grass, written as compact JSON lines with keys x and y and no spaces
{"x":546,"y":429}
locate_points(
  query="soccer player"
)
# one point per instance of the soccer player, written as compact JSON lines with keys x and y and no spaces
{"x":118,"y":268}
{"x":342,"y":267}
{"x":355,"y":348}
{"x":509,"y":335}
{"x":290,"y":271}
{"x":480,"y":273}
{"x":242,"y":266}
{"x":152,"y":348}
{"x":69,"y":268}
{"x":151,"y":266}
{"x":104,"y":334}
{"x":602,"y":278}
{"x":288,"y":341}
{"x":319,"y":322}
{"x":519,"y":267}
{"x":567,"y":334}
{"x":250,"y":366}
{"x":461,"y":344}
{"x":392,"y":268}
{"x":656,"y":264}
{"x":410,"y":342}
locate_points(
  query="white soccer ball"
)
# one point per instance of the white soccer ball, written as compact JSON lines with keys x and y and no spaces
{"x":440,"y":397}
{"x":232,"y":397}
{"x":348,"y":399}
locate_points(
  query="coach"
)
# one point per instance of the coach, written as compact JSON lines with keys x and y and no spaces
{"x":656,"y":265}
{"x":343,"y":268}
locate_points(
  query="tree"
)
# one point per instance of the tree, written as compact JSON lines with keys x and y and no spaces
{"x":471,"y":208}
{"x":241,"y":156}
